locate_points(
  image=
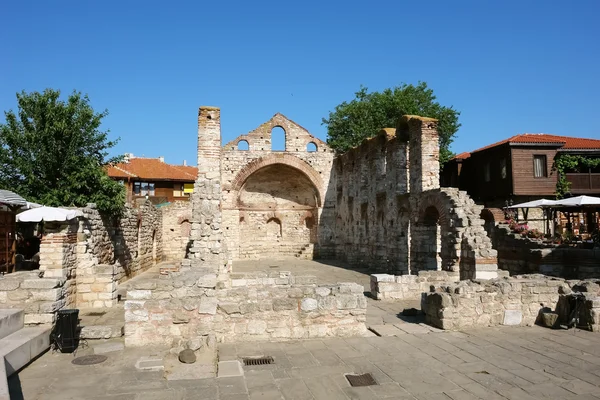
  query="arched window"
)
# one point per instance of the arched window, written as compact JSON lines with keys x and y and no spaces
{"x":243,"y":145}
{"x":139,"y":238}
{"x":311,"y":147}
{"x":277,"y":139}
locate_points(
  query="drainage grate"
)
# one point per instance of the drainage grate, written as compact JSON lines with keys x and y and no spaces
{"x":259,"y":361}
{"x":361,"y":380}
{"x":89,"y":360}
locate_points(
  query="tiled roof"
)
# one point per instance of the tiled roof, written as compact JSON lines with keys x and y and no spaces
{"x":152,"y":169}
{"x":564,"y":142}
{"x":462,"y":156}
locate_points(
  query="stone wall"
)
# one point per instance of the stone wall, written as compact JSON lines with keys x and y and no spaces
{"x":276,"y":306}
{"x":391,"y":216}
{"x":176,"y":227}
{"x":522,"y":255}
{"x":510,"y":301}
{"x":39,"y":298}
{"x":111,"y":251}
{"x":283,"y":188}
{"x":387,"y":287}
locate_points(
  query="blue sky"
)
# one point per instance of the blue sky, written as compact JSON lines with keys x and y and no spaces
{"x":509,"y":66}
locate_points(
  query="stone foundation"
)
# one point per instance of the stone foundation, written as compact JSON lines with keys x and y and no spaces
{"x":276,"y":306}
{"x":509,"y":301}
{"x":408,"y":287}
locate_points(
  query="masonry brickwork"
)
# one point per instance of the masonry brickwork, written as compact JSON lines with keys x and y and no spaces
{"x":176,"y":228}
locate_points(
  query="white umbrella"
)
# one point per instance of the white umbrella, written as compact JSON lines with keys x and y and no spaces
{"x":541,"y":203}
{"x":11,"y":198}
{"x":579,"y":201}
{"x":48,"y":214}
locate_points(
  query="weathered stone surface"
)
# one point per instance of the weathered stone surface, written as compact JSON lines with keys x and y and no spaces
{"x":512,"y":317}
{"x":208,"y":305}
{"x":308,"y":304}
{"x":550,"y":319}
{"x":207,"y":281}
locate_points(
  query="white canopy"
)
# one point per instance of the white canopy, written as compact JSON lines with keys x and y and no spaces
{"x":48,"y":214}
{"x":541,"y":203}
{"x":579,"y":201}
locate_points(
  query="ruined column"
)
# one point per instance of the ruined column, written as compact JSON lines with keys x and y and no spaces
{"x":207,"y":248}
{"x":424,"y":152}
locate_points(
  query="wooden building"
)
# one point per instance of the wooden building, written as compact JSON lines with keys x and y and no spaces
{"x":520,"y":169}
{"x":153,"y":178}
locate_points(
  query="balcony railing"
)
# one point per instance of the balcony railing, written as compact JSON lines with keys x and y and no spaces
{"x":584,"y":183}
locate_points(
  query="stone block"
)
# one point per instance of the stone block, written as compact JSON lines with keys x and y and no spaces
{"x":46,"y":294}
{"x":256,"y":327}
{"x":139,"y":294}
{"x":322,"y":291}
{"x":512,"y":317}
{"x":108,"y":347}
{"x":40,"y":283}
{"x":285,"y":304}
{"x":207,"y":281}
{"x":308,"y":305}
{"x":9,"y":284}
{"x":208,"y":305}
{"x":229,"y":308}
{"x":227,"y":369}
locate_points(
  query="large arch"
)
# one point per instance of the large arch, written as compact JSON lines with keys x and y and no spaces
{"x":278,"y":208}
{"x":282,"y":159}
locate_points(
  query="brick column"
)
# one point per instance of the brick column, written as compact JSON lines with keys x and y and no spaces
{"x":208,"y":247}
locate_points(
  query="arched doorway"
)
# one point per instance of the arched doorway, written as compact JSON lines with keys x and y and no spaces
{"x":279,"y":205}
{"x":154,"y":246}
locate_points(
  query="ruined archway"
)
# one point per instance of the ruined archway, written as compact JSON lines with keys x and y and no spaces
{"x":279,"y":205}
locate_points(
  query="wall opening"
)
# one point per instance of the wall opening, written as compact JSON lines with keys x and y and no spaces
{"x":431,"y":258}
{"x":185,"y":228}
{"x":274,"y":229}
{"x":139,"y":238}
{"x":277,"y":139}
{"x":243,"y":145}
{"x":154,"y":246}
{"x":311,"y":147}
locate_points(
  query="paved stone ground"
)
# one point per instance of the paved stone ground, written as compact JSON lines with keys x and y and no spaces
{"x":494,"y":363}
{"x":327,"y":272}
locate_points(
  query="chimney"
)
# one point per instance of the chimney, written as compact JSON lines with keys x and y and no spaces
{"x":161,"y":159}
{"x":127,"y":157}
{"x":184,"y":163}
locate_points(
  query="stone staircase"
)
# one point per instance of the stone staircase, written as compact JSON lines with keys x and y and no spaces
{"x":19,"y":344}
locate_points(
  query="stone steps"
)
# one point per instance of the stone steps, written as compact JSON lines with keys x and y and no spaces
{"x":18,"y":345}
{"x":11,"y":320}
{"x":102,"y":323}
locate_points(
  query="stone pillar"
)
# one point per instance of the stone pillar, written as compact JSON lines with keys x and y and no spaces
{"x":58,"y":249}
{"x":208,"y":247}
{"x":424,"y":152}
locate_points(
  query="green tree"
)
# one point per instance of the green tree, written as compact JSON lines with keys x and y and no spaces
{"x":368,"y":112}
{"x":53,"y":152}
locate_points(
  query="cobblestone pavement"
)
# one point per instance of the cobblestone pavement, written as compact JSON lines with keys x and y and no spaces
{"x":494,"y":363}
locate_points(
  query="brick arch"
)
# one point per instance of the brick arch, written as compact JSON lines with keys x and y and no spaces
{"x":284,"y":159}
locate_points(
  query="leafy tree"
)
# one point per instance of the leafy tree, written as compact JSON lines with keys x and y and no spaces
{"x":367,"y":113}
{"x":53,"y":152}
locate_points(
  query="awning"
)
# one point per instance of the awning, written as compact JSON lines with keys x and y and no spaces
{"x":48,"y":214}
{"x":541,"y":203}
{"x":578,"y":201}
{"x":11,"y":199}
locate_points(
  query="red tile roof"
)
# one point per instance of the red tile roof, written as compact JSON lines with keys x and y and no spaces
{"x":152,"y":169}
{"x":564,"y":142}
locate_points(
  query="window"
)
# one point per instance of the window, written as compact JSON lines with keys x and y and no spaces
{"x":486,"y":172}
{"x":503,"y":168}
{"x":143,"y":189}
{"x":539,"y":166}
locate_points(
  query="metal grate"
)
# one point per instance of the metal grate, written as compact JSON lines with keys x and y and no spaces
{"x":361,"y":380}
{"x":259,"y":361}
{"x":89,"y":360}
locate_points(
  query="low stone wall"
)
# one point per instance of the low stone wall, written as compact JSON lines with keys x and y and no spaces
{"x":509,"y":301}
{"x":38,"y":297}
{"x":521,"y":255}
{"x":96,"y":285}
{"x":276,"y":306}
{"x":408,"y":287}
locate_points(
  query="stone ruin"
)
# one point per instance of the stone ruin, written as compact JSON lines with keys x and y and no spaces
{"x":378,"y":205}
